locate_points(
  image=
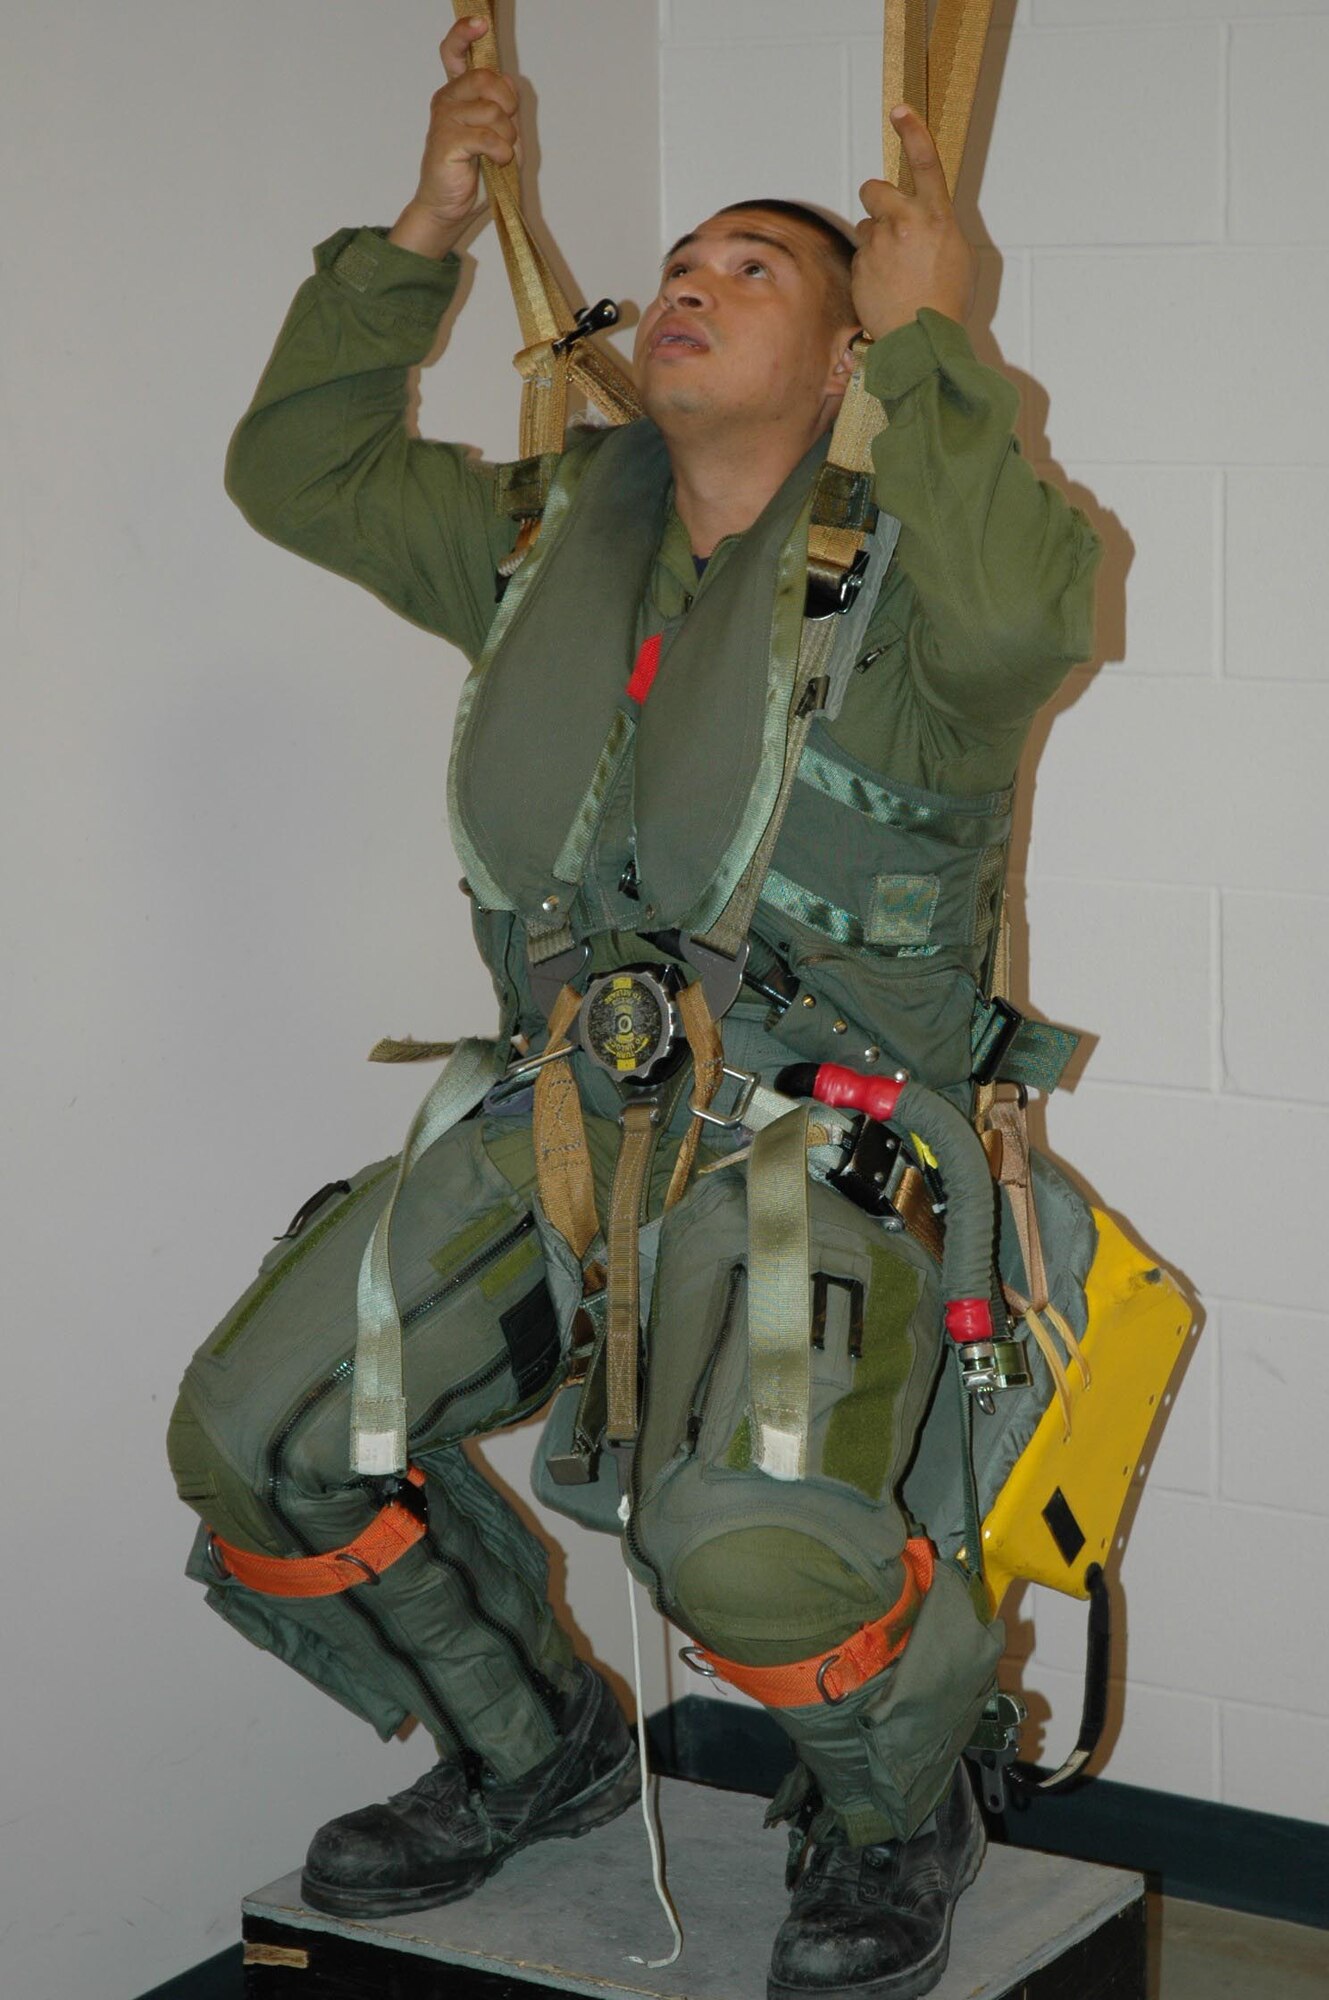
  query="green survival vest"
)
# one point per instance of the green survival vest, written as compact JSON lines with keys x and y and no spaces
{"x":881,"y":898}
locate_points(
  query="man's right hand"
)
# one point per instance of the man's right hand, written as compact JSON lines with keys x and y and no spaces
{"x":472,"y":118}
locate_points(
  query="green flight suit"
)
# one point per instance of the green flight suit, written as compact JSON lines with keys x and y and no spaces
{"x":986,"y":606}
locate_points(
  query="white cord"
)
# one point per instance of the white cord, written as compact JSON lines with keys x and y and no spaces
{"x":648,"y":1817}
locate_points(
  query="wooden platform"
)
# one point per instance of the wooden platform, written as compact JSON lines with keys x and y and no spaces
{"x":573,"y":1915}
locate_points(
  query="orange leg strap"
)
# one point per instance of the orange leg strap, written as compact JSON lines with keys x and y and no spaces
{"x":830,"y":1677}
{"x":393,"y":1530}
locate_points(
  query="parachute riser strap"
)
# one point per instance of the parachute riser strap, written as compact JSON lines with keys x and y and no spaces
{"x":939,"y":77}
{"x":378,"y":1404}
{"x":562,"y":1157}
{"x":542,"y":309}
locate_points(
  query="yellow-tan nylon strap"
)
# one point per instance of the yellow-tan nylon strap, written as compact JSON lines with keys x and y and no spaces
{"x":779,"y":1301}
{"x":707,"y":1048}
{"x":640,"y":1135}
{"x":939,"y":77}
{"x":955,"y":60}
{"x":542,"y":309}
{"x":562,"y":1157}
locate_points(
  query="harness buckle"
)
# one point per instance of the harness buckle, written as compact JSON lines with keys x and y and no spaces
{"x":830,"y":595}
{"x":1003,"y":1024}
{"x":728,"y":1120}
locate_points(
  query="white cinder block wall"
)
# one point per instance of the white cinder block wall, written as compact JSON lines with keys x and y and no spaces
{"x":1152,"y":192}
{"x":227,"y":873}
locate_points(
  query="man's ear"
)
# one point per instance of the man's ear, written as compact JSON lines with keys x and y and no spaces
{"x":843,"y":368}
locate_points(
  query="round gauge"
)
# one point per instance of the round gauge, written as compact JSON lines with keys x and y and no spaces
{"x":627,"y":1022}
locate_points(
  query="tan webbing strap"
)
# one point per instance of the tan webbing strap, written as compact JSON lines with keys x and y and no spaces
{"x":1008,"y":1116}
{"x":562,"y":1157}
{"x":707,"y":1046}
{"x":779,"y":1296}
{"x":542,"y":309}
{"x":939,"y":77}
{"x":641,"y":1133}
{"x":955,"y":60}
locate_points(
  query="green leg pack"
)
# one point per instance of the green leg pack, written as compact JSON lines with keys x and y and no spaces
{"x":457,"y":1631}
{"x":767,"y":1572}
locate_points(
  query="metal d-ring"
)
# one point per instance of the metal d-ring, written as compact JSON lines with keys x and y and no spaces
{"x":691,"y":1657}
{"x":831,"y":1700}
{"x":210,"y":1550}
{"x":345,"y":1556}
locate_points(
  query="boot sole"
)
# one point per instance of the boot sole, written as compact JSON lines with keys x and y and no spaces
{"x":594,"y":1807}
{"x":914,"y":1980}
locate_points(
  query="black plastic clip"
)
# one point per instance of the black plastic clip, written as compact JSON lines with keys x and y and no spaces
{"x":866,"y":1172}
{"x":590,"y":319}
{"x":1003,"y":1024}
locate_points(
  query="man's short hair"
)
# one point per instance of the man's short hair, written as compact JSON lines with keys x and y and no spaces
{"x":839,"y":249}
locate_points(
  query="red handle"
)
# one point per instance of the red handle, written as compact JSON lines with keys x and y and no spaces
{"x":969,"y":1319}
{"x":848,"y":1091}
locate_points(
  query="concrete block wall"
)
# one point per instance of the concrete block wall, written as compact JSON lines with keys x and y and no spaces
{"x":1146,"y":183}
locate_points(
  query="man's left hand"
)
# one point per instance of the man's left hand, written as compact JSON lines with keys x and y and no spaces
{"x":912,"y":252}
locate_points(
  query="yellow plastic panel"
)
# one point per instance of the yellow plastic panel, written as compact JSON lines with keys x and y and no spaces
{"x":1137,"y":1327}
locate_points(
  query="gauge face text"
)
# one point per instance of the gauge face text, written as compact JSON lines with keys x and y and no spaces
{"x":626,"y":1023}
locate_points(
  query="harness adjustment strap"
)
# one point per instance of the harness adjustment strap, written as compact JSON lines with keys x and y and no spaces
{"x":394,"y":1529}
{"x":831,"y":1677}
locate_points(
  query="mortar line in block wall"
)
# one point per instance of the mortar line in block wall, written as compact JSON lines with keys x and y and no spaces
{"x":1220,"y":506}
{"x":1217,"y":1057}
{"x":1228,"y":1095}
{"x":1267,"y":1306}
{"x":1223,"y":135}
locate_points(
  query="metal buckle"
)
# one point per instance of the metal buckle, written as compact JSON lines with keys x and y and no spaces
{"x":210,"y":1549}
{"x":827,"y":599}
{"x":1004,"y":1024}
{"x":721,"y":976}
{"x":735,"y":1117}
{"x":690,"y":1656}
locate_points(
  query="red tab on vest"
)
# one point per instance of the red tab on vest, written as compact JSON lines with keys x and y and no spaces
{"x":643,"y":673}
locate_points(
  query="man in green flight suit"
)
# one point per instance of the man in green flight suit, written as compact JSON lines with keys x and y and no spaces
{"x":583,"y":796}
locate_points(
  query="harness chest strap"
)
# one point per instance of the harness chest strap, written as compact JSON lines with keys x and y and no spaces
{"x":831,"y":1676}
{"x":394,"y":1529}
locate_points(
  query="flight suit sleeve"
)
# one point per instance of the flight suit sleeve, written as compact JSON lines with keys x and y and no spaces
{"x":324,"y":461}
{"x":1000,"y":566}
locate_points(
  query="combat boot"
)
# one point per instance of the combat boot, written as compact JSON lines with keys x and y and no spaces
{"x":438,"y":1840}
{"x":874,"y":1923}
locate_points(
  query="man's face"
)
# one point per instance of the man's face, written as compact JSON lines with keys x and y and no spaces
{"x":741,"y":328}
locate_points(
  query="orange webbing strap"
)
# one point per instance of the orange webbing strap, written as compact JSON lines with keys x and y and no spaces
{"x":562,"y":1157}
{"x":393,"y":1530}
{"x":829,"y":1677}
{"x":542,"y":309}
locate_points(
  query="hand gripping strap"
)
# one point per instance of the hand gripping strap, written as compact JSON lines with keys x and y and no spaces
{"x":829,"y":1677}
{"x":378,"y":1406}
{"x":393,"y":1530}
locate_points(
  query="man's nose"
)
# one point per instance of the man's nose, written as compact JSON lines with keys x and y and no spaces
{"x":686,"y":292}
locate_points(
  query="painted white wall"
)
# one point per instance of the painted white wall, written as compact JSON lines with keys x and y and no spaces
{"x":227,"y":874}
{"x":1152,"y":193}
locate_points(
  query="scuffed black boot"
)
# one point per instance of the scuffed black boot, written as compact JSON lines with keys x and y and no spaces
{"x":874,"y":1923}
{"x":437,"y":1841}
